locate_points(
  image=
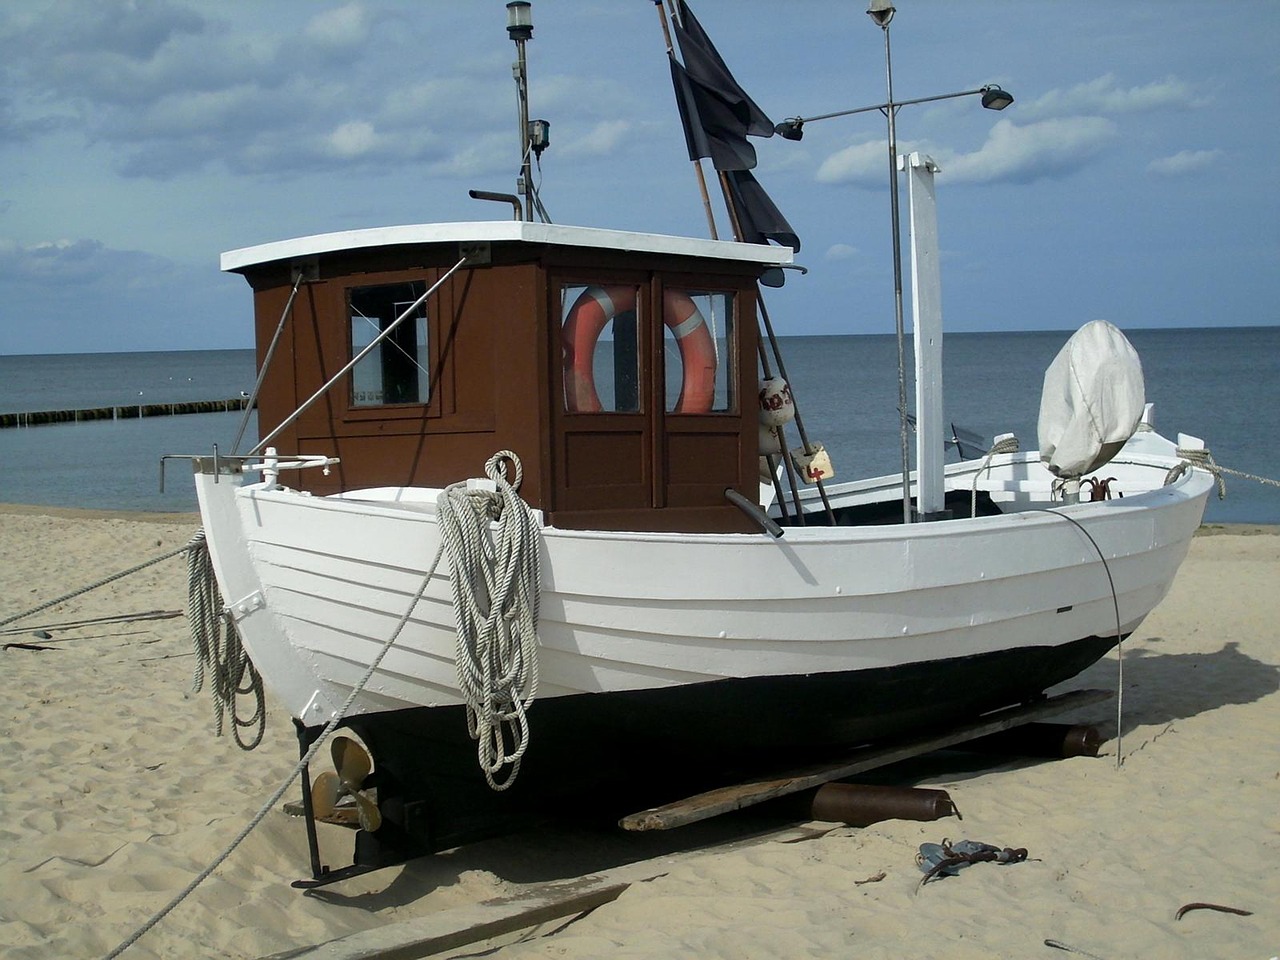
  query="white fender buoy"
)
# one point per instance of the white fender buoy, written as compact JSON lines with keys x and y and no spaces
{"x":770,"y":444}
{"x":776,"y":406}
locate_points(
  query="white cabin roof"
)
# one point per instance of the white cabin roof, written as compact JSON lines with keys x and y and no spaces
{"x":504,"y":230}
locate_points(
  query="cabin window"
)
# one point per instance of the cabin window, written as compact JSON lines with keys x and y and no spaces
{"x":599,"y":336}
{"x":698,"y":350}
{"x":394,"y":371}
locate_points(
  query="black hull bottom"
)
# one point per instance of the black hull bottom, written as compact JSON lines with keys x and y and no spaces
{"x":610,"y":754}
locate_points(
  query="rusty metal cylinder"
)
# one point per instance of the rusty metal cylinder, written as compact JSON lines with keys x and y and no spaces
{"x":1056,"y":740}
{"x":861,"y":805}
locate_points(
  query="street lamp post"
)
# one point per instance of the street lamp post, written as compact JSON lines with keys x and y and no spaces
{"x":993,"y":98}
{"x":881,"y":11}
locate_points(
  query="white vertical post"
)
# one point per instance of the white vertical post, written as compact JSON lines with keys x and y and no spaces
{"x":926,"y":308}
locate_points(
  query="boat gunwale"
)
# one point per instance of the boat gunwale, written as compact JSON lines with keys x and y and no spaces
{"x":1186,"y":487}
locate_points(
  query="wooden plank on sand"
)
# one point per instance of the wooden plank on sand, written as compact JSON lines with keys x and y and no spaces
{"x":727,"y":799}
{"x":463,"y":926}
{"x":459,"y":927}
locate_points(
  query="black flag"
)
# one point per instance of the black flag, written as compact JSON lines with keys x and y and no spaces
{"x":759,"y":219}
{"x":718,"y":116}
{"x":717,"y":113}
{"x":705,"y":131}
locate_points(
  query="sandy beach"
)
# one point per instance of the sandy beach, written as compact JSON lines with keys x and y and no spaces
{"x":114,"y":793}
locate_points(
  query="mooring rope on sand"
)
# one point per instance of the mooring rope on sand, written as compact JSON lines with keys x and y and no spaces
{"x":508,"y":648}
{"x":301,"y":765}
{"x":94,"y":586}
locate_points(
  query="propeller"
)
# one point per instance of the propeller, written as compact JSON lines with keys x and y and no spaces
{"x":352,"y":764}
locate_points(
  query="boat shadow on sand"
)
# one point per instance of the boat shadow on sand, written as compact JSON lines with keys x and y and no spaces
{"x":554,"y":851}
{"x":1162,"y":687}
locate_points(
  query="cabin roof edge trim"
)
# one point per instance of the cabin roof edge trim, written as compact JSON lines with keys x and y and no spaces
{"x":236,"y":261}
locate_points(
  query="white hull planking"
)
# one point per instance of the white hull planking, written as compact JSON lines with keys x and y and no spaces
{"x":317,"y":585}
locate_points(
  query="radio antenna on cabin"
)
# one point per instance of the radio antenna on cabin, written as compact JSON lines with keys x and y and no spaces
{"x":535,"y":135}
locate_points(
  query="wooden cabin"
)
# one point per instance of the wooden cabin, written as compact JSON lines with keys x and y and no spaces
{"x":620,"y":367}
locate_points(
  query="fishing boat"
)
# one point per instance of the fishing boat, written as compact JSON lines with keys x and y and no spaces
{"x":524,"y":565}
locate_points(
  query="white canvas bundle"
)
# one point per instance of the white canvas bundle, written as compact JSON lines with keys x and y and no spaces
{"x":1092,"y":400}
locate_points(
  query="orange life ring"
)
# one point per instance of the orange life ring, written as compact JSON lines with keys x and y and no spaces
{"x":591,"y":313}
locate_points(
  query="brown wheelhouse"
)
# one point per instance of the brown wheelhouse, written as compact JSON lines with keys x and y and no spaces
{"x":641,"y":427}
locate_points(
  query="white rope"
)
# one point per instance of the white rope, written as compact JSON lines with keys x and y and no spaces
{"x":1204,"y":459}
{"x":511,"y":617}
{"x":338,"y":717}
{"x":219,"y":654}
{"x":1008,"y":444}
{"x":94,"y":586}
{"x":493,"y":540}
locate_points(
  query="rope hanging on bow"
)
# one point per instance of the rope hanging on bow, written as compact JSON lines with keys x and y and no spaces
{"x":493,"y":540}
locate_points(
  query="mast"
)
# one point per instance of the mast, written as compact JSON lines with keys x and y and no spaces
{"x":520,"y":29}
{"x":697,"y":165}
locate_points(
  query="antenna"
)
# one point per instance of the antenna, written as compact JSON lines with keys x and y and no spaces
{"x":535,"y":136}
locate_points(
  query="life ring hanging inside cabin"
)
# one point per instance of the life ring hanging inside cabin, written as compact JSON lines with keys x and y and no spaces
{"x":596,"y":306}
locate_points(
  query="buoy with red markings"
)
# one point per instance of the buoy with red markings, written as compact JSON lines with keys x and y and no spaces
{"x":776,"y":405}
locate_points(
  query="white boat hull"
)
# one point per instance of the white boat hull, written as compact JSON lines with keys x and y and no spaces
{"x":670,"y":663}
{"x":317,"y":585}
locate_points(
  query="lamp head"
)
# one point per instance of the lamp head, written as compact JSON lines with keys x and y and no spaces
{"x":792,"y":129}
{"x":993,"y":98}
{"x":520,"y":19}
{"x":881,"y":11}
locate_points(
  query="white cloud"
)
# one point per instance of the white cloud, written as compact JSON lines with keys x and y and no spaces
{"x":1023,"y":153}
{"x":78,"y":263}
{"x":1103,"y":95}
{"x":484,"y":155}
{"x":353,"y":139}
{"x":340,"y":27}
{"x":90,"y":297}
{"x":594,"y":97}
{"x":862,"y":163}
{"x":1014,"y":153}
{"x":173,"y":93}
{"x":840,"y":251}
{"x":600,"y":140}
{"x":1185,"y":161}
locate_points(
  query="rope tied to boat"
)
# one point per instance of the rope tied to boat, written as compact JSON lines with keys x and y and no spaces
{"x":1005,"y":444}
{"x":219,"y":651}
{"x":493,"y":539}
{"x":338,"y":717}
{"x":516,"y":546}
{"x":1204,"y":459}
{"x":94,"y":586}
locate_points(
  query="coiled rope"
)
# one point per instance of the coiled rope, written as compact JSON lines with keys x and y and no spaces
{"x":496,"y":587}
{"x":219,"y":651}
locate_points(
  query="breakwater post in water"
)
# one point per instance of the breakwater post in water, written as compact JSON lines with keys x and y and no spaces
{"x":131,"y":411}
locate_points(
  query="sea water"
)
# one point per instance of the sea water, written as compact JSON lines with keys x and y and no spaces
{"x":1222,"y":385}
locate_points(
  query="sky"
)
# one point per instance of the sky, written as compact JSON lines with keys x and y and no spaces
{"x":1133,"y":179}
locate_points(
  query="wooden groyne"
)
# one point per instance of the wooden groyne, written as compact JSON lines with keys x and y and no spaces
{"x":131,"y":411}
